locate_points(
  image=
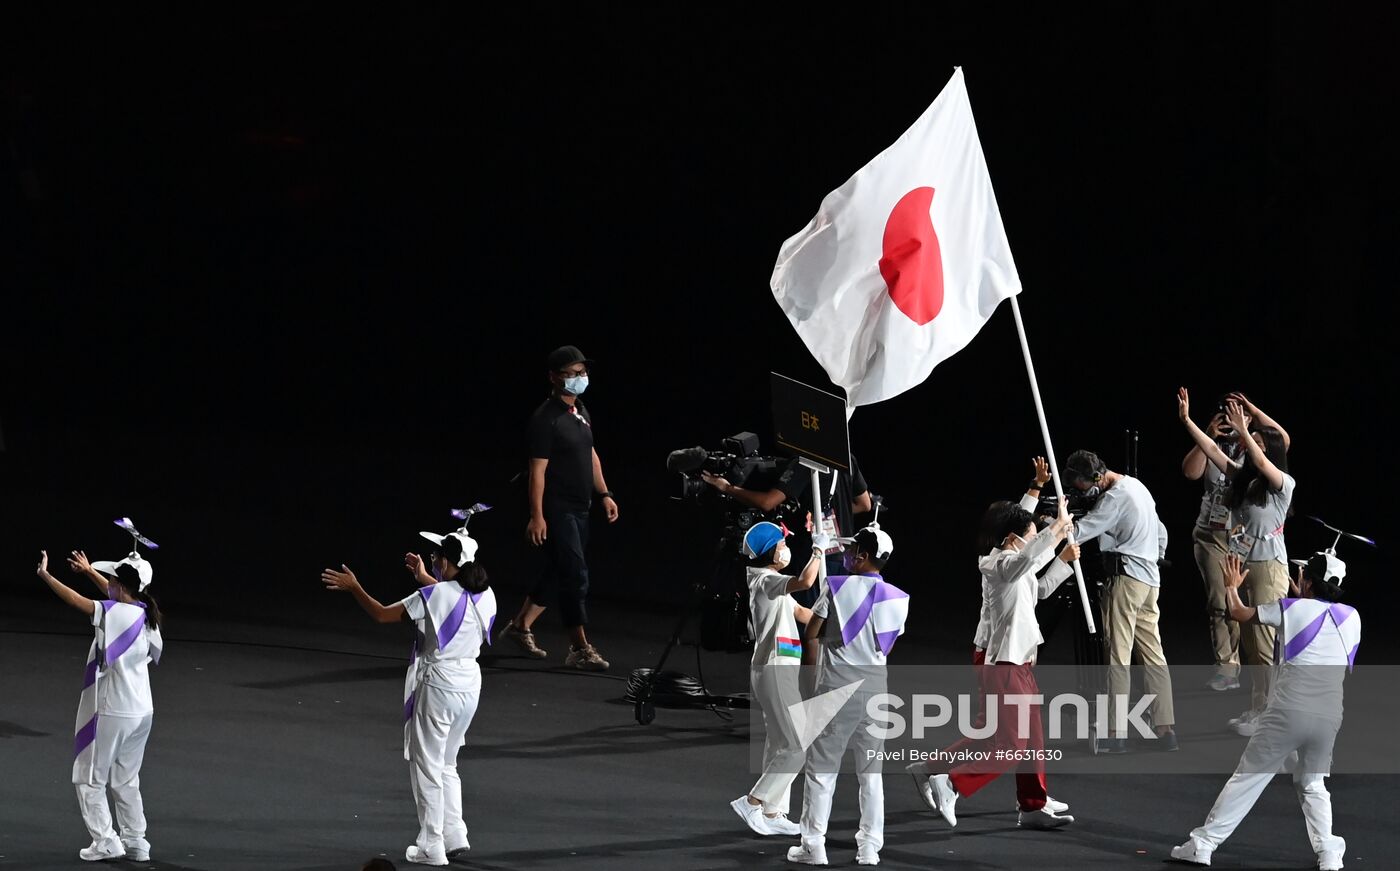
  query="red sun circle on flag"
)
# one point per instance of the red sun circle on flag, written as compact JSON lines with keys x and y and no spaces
{"x":912,"y":265}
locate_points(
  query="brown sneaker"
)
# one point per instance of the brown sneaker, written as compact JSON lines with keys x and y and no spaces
{"x":524,"y":639}
{"x":585,"y":658}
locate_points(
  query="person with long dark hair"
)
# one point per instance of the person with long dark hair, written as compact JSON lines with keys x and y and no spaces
{"x":1211,"y":535}
{"x":455,"y":608}
{"x":1259,"y":496}
{"x":115,"y":708}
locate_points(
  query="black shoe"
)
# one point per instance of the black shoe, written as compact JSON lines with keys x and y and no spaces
{"x":1167,"y":742}
{"x":1112,"y":745}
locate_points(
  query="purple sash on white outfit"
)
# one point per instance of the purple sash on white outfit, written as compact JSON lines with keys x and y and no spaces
{"x":861,"y":599}
{"x":121,"y":625}
{"x":446,"y":604}
{"x":1304,"y":619}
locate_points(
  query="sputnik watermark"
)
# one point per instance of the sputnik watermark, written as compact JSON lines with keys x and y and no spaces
{"x":934,"y":711}
{"x":884,"y":709}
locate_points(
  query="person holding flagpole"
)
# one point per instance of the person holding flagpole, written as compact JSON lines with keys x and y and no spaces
{"x":455,"y":608}
{"x":1014,"y":553}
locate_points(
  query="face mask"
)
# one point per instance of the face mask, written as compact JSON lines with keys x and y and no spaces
{"x":576,"y":384}
{"x":782,"y":557}
{"x":1017,"y":542}
{"x":437,"y":572}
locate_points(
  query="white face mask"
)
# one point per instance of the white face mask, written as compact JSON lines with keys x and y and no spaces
{"x":1016,"y":542}
{"x":781,"y":557}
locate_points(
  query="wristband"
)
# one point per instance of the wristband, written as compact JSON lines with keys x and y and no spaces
{"x":607,"y":494}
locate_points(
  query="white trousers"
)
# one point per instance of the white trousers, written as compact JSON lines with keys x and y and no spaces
{"x":440,"y":721}
{"x":775,"y":688}
{"x":119,"y":746}
{"x":1281,"y":733}
{"x":847,"y":729}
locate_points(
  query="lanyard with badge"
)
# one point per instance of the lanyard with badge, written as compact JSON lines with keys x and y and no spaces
{"x":1242,"y":543}
{"x":829,"y":524}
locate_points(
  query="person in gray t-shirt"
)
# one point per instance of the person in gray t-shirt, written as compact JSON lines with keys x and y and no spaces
{"x":1259,"y":495}
{"x":1125,"y":519}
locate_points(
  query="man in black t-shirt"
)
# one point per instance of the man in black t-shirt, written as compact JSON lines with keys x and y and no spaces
{"x":564,"y":475}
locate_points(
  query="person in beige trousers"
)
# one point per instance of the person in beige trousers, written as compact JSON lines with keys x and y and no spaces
{"x":1258,"y":496}
{"x":1125,"y":518}
{"x":1211,"y":535}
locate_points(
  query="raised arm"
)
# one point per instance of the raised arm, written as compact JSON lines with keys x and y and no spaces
{"x":1038,"y":482}
{"x":78,"y":562}
{"x":1234,"y":576}
{"x":1204,"y":443}
{"x":1037,"y":552}
{"x":1234,"y":413}
{"x":1261,"y":418}
{"x":808,"y":575}
{"x":69,"y":596}
{"x":346,"y":580}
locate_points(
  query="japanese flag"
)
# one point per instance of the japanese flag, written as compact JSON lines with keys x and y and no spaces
{"x":903,"y":263}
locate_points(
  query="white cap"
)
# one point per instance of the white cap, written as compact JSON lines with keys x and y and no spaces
{"x":144,"y":570}
{"x":469,"y":544}
{"x":884,"y":545}
{"x":1324,"y":561}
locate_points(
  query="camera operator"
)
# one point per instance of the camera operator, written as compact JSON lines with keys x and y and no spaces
{"x":840,"y":504}
{"x":1212,"y":531}
{"x":1134,"y":540}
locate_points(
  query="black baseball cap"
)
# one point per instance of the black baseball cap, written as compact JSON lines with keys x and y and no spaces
{"x":567,"y":355}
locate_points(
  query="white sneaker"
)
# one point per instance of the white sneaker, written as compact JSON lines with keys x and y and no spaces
{"x":1247,"y":728}
{"x":1053,"y":806}
{"x":867,"y":855}
{"x":1042,"y":819}
{"x":804,"y":856}
{"x":97,"y":851}
{"x":762,"y":824}
{"x":1193,"y":851}
{"x":425,"y":857}
{"x":944,"y":797}
{"x":137,"y":849}
{"x":452,"y":848}
{"x":1247,"y":715}
{"x":1331,"y":858}
{"x":781,"y":825}
{"x":1223,"y":682}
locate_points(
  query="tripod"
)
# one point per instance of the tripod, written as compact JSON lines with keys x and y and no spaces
{"x":642,"y":683}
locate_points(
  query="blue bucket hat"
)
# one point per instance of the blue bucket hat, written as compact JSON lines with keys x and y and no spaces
{"x":763,"y":537}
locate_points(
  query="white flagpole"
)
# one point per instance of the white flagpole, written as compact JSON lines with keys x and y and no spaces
{"x":1050,"y":454}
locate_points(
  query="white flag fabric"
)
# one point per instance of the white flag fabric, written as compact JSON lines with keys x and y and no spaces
{"x":903,"y":263}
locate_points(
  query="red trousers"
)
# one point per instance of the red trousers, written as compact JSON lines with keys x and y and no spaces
{"x":1002,"y":679}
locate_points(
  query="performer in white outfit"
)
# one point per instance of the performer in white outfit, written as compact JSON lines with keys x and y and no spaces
{"x":115,"y":709}
{"x":1317,"y":640}
{"x":774,"y":671}
{"x":1014,"y":554}
{"x":456,"y":609}
{"x":854,"y":626}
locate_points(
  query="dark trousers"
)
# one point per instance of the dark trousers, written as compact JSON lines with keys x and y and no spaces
{"x":565,"y":570}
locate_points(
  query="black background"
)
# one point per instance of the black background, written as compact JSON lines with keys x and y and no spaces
{"x":279,"y":281}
